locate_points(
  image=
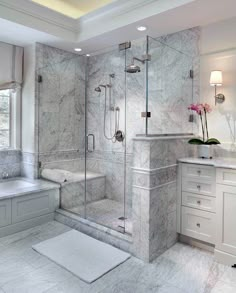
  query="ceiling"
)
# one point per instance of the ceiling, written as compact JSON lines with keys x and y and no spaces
{"x":73,"y":8}
{"x":109,"y":25}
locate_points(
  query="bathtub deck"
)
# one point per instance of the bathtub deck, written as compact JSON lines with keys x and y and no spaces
{"x":36,"y":185}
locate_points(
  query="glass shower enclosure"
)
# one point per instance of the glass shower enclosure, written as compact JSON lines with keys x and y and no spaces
{"x":91,"y":108}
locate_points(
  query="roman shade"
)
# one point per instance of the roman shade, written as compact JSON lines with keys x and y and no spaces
{"x":11,"y":66}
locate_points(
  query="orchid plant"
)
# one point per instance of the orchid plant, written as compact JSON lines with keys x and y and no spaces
{"x":202,"y":110}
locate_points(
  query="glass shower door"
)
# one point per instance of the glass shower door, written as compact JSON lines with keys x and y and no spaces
{"x":61,"y":124}
{"x":106,"y":138}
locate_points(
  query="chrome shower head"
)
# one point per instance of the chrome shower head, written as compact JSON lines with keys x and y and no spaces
{"x":132,"y":68}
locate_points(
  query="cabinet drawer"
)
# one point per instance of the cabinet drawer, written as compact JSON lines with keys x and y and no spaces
{"x":226,"y":176}
{"x":197,"y":201}
{"x":31,"y":206}
{"x":205,"y":187}
{"x":198,"y":224}
{"x":5,"y":212}
{"x":198,"y":171}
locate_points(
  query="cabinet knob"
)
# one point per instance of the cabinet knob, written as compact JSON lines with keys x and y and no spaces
{"x":199,"y":202}
{"x":199,"y":172}
{"x":198,"y":225}
{"x":199,"y":187}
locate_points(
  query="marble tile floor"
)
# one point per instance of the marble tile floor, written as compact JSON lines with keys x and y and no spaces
{"x":181,"y":269}
{"x":107,"y":212}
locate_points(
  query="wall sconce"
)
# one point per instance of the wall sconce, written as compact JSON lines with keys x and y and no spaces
{"x":217,"y":80}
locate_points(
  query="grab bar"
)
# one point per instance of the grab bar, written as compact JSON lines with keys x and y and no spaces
{"x":90,"y":150}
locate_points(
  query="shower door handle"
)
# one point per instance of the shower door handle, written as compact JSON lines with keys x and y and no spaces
{"x":93,"y":147}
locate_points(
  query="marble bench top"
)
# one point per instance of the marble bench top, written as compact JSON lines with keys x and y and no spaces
{"x":229,"y":163}
{"x":10,"y":188}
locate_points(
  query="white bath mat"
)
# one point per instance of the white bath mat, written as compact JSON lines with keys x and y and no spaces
{"x":82,"y":255}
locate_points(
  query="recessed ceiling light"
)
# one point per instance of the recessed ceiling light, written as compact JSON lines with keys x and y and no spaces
{"x":87,"y":55}
{"x":78,"y":49}
{"x":141,"y":28}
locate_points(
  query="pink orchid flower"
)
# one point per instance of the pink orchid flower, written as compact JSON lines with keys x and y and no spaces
{"x":198,"y":108}
{"x":207,"y":107}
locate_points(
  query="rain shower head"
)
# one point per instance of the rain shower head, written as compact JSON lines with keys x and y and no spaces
{"x":132,"y":68}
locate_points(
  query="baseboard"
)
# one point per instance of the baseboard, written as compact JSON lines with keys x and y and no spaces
{"x":21,"y":226}
{"x":196,"y":243}
{"x":225,"y":258}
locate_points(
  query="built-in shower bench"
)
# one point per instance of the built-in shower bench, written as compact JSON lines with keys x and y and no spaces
{"x":72,"y":186}
{"x":73,"y":192}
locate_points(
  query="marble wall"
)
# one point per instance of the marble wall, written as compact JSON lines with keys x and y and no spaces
{"x":10,"y":163}
{"x":170,"y":87}
{"x":154,"y":213}
{"x":60,"y":102}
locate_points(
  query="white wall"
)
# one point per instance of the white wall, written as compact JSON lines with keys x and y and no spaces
{"x":28,"y":100}
{"x":218,"y":51}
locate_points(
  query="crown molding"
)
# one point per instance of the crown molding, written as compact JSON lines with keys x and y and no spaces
{"x":35,"y":16}
{"x":121,"y":13}
{"x":103,"y":20}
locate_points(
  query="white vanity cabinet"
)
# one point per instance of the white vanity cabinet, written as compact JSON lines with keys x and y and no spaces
{"x":198,"y":202}
{"x":226,"y":216}
{"x":207,"y":205}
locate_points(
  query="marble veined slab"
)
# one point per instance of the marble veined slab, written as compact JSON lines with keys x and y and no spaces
{"x":229,"y":163}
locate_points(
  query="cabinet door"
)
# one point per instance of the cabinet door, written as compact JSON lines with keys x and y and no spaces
{"x":226,"y":218}
{"x":33,"y":205}
{"x":198,"y":224}
{"x":5,"y":212}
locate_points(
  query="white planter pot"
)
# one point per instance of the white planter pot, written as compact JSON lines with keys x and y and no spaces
{"x":205,"y":151}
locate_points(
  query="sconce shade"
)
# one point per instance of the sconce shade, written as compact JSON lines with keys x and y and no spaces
{"x":216,"y":78}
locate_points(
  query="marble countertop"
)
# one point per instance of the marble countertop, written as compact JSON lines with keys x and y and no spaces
{"x":229,"y":163}
{"x":161,"y":137}
{"x":37,"y":186}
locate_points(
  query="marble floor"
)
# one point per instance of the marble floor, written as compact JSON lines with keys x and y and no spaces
{"x":182,"y":269}
{"x":107,"y":212}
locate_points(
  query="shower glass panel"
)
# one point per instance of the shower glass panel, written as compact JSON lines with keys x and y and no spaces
{"x":170,"y":88}
{"x":106,"y":140}
{"x":61,"y":123}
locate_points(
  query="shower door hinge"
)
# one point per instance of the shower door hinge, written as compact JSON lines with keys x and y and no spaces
{"x":146,"y":114}
{"x":191,"y":74}
{"x":124,"y":46}
{"x":121,"y":229}
{"x":40,"y":78}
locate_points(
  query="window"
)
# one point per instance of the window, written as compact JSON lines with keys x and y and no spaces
{"x":5,"y":119}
